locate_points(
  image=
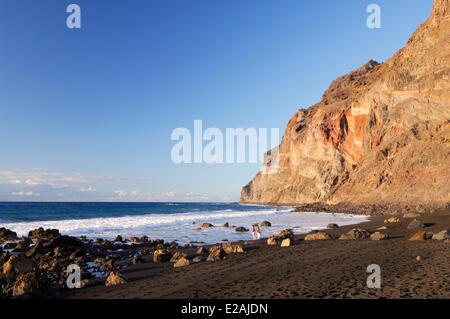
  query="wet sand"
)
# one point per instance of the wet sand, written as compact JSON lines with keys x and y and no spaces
{"x":308,"y":269}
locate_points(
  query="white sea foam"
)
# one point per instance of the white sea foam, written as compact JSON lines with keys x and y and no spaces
{"x":179,"y":226}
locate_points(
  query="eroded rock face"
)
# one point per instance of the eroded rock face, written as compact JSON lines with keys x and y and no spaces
{"x":378,"y":136}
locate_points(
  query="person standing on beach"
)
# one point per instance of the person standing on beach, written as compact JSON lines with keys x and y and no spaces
{"x":253,"y":232}
{"x":258,"y":232}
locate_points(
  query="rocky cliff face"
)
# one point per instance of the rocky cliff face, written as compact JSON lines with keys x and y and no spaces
{"x":379,"y":136}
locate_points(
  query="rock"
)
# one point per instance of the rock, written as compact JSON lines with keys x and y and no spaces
{"x":216,"y":253}
{"x":419,"y":258}
{"x":28,"y":284}
{"x":132,"y":239}
{"x":40,"y":233}
{"x":379,"y":236}
{"x":332,"y":226}
{"x":442,"y":235}
{"x":272,"y":241}
{"x":162,"y":255}
{"x":354,"y":234}
{"x":286,"y":242}
{"x":207,"y":225}
{"x":202,"y":250}
{"x":420,"y":235}
{"x":266,"y":224}
{"x":416,"y":224}
{"x":143,"y":239}
{"x":318,"y":236}
{"x":119,"y":238}
{"x":287,"y":233}
{"x":177,"y":255}
{"x":198,"y":228}
{"x":230,"y":248}
{"x":6,"y":234}
{"x":198,"y":259}
{"x":392,"y":220}
{"x":115,"y":279}
{"x":181,"y":262}
{"x":241,"y":229}
{"x":382,"y":228}
{"x":15,"y":266}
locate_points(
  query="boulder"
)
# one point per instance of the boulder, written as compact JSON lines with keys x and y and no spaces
{"x":202,"y":250}
{"x":442,"y":235}
{"x":207,"y":225}
{"x":15,"y":266}
{"x":226,"y":225}
{"x":198,"y":259}
{"x":230,"y":248}
{"x":6,"y":234}
{"x":416,"y":224}
{"x":162,"y":255}
{"x":354,"y":234}
{"x":266,"y":224}
{"x":272,"y":241}
{"x":241,"y":229}
{"x":40,"y":233}
{"x":318,"y":236}
{"x":143,"y":239}
{"x":181,"y":262}
{"x":27,"y":284}
{"x":119,"y":238}
{"x":379,"y":236}
{"x":115,"y":279}
{"x":286,"y":242}
{"x":392,"y":220}
{"x":177,"y":255}
{"x":332,"y":226}
{"x":420,"y":235}
{"x":216,"y":253}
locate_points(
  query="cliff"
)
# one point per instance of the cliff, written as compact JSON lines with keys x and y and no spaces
{"x":379,"y":136}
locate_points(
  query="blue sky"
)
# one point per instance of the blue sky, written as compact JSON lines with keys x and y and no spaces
{"x":87,"y":114}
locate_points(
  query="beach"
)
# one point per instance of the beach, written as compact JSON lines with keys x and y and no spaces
{"x":307,"y":269}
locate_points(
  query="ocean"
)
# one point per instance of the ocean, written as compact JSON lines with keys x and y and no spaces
{"x":164,"y":220}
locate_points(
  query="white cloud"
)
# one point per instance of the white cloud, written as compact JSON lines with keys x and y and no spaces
{"x":88,"y":189}
{"x":22,"y":194}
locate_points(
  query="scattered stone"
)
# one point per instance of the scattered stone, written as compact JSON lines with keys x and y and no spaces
{"x":115,"y":278}
{"x":354,"y":234}
{"x":181,"y":262}
{"x":202,"y":250}
{"x":442,"y":235}
{"x":207,"y":225}
{"x":286,"y":242}
{"x":162,"y":255}
{"x":216,"y":253}
{"x":392,"y":220}
{"x":241,"y":229}
{"x":416,"y":224}
{"x":177,"y":255}
{"x":332,"y":226}
{"x":379,"y":236}
{"x":198,"y":259}
{"x":318,"y":236}
{"x":420,"y":235}
{"x":230,"y":248}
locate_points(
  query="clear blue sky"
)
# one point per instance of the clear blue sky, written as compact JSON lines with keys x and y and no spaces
{"x":87,"y":114}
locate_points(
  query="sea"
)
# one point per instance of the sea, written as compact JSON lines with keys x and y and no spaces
{"x":163,"y":220}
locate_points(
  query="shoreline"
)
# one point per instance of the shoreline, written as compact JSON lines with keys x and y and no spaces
{"x":307,"y":269}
